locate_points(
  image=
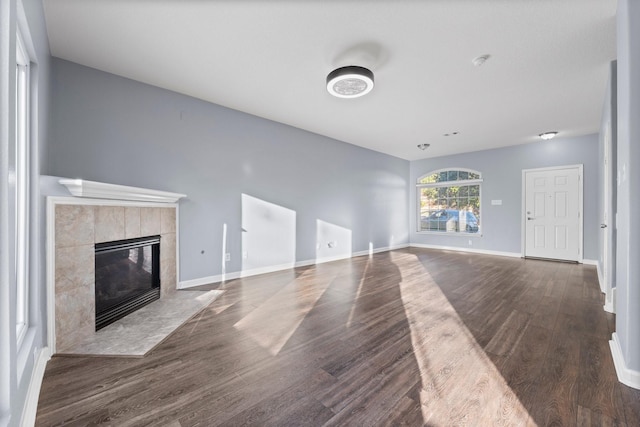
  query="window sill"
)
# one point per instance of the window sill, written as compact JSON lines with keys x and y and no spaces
{"x":459,"y":234}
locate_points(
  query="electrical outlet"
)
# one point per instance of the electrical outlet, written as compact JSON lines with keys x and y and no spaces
{"x":245,"y":255}
{"x":227,"y":256}
{"x":470,"y":242}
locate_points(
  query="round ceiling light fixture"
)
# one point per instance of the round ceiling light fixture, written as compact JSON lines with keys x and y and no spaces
{"x":350,"y":82}
{"x":548,"y":135}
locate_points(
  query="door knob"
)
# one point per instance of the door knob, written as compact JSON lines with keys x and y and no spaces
{"x":603,"y":225}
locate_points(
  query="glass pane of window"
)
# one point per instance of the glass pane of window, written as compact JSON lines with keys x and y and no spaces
{"x":448,"y":176}
{"x":474,"y":203}
{"x":450,"y":209}
{"x":19,"y":186}
{"x":452,"y":191}
{"x":429,"y":179}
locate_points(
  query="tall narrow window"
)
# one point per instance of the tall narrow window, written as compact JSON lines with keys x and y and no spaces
{"x":20,"y":175}
{"x":449,"y":201}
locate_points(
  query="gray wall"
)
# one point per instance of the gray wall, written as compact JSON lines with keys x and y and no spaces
{"x":502,"y":173}
{"x":13,"y":388}
{"x":628,"y":202}
{"x":111,"y":129}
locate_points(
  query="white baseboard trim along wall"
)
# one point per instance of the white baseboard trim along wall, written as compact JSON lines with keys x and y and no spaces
{"x":184,"y":284}
{"x":610,"y":303}
{"x":609,"y":300}
{"x":626,"y":375}
{"x":470,"y":250}
{"x":33,"y":392}
{"x":256,"y":271}
{"x":600,"y":278}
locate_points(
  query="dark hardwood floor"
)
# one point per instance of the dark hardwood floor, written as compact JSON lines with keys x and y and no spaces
{"x":410,"y":337}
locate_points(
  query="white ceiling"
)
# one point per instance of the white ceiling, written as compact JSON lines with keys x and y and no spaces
{"x":547,"y":71}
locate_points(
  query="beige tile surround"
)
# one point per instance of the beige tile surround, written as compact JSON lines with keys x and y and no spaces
{"x":78,"y":227}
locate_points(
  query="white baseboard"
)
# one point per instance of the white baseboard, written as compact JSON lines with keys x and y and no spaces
{"x":471,"y":250}
{"x":603,"y":288}
{"x":353,"y":255}
{"x":609,"y":300}
{"x":483,"y":251}
{"x":610,"y":303}
{"x":608,"y":307}
{"x":271,"y":269}
{"x":33,"y":392}
{"x":626,"y":376}
{"x":207,"y":280}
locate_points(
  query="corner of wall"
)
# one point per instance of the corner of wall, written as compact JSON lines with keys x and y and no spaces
{"x":626,"y":375}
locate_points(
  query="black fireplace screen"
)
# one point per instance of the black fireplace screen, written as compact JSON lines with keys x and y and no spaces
{"x":127,"y":277}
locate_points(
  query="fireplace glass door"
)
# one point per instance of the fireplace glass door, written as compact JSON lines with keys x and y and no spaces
{"x":127,"y":277}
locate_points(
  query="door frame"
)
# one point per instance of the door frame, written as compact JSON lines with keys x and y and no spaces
{"x":608,"y":260}
{"x":523,"y":216}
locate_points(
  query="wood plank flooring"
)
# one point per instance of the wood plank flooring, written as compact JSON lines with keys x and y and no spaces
{"x":410,"y":337}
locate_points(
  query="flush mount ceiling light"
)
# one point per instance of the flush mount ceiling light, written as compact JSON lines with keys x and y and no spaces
{"x":424,"y":146}
{"x":350,"y":82}
{"x":548,"y":135}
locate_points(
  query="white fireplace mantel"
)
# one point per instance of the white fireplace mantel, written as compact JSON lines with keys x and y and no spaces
{"x":101,"y":190}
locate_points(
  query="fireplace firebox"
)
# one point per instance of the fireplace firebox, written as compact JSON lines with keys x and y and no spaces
{"x":127,"y":277}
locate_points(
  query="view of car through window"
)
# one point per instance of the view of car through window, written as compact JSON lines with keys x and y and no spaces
{"x":449,"y":220}
{"x":449,"y":201}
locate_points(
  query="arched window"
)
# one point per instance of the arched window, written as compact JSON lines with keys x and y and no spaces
{"x":449,"y":201}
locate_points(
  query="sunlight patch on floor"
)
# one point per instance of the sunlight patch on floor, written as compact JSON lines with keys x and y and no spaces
{"x":467,"y":387}
{"x":274,"y":322}
{"x":358,"y":293}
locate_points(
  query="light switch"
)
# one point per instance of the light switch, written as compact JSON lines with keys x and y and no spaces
{"x":496,"y":202}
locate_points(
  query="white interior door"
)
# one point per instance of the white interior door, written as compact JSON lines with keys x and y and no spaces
{"x":553,"y":213}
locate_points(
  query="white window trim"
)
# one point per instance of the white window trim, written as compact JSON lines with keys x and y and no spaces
{"x":420,"y":185}
{"x":448,"y":183}
{"x":23,"y":172}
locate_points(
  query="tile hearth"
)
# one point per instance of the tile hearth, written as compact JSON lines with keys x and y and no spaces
{"x":140,"y":332}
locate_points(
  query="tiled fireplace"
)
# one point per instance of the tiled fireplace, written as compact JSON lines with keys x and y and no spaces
{"x":78,"y":227}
